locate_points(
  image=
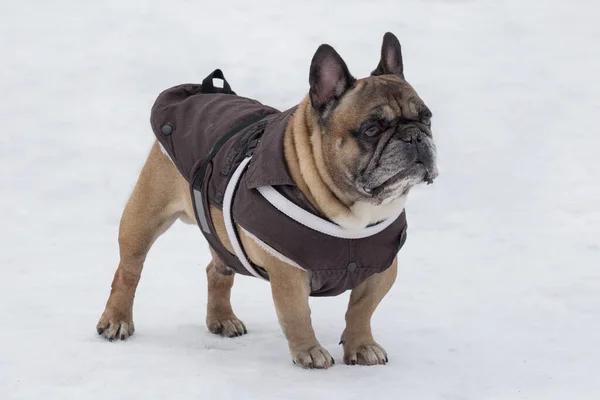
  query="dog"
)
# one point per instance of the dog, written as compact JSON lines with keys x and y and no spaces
{"x":310,"y":199}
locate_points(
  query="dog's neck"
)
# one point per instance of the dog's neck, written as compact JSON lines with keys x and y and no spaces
{"x":304,"y":156}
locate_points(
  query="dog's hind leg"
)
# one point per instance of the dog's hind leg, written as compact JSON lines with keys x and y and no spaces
{"x":155,"y":203}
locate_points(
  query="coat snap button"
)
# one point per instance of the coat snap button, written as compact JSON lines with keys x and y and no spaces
{"x":166,"y":129}
{"x":351,"y":267}
{"x":219,"y":197}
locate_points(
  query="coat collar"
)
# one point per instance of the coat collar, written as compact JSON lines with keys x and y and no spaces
{"x":268,"y":166}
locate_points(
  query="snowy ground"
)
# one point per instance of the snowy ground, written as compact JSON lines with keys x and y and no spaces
{"x":498,"y":294}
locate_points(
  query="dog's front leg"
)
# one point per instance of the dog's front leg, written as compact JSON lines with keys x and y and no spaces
{"x":359,"y":345}
{"x":291,"y":288}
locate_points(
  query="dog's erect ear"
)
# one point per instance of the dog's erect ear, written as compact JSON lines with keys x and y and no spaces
{"x":391,"y":57}
{"x":329,"y":79}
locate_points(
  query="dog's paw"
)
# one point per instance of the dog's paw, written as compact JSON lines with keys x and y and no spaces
{"x":365,"y":354}
{"x":229,"y":327}
{"x":114,"y":325}
{"x":313,"y":357}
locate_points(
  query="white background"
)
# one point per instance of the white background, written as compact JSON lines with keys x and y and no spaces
{"x":498,"y":293}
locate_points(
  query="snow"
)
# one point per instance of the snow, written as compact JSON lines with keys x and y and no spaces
{"x":498,"y":293}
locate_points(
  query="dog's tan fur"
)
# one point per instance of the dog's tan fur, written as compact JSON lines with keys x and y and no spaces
{"x":161,"y":195}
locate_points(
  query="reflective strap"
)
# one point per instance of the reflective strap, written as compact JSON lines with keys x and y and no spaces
{"x":231,"y":231}
{"x":318,"y":224}
{"x":200,"y":212}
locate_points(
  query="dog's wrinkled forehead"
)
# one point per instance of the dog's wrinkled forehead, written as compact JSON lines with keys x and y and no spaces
{"x":387,"y":96}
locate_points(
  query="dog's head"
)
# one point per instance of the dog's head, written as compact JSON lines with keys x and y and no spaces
{"x":375,"y":131}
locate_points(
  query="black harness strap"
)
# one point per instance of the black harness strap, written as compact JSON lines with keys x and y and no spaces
{"x":199,"y":176}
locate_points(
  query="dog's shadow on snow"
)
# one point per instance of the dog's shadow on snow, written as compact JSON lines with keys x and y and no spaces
{"x":267,"y":340}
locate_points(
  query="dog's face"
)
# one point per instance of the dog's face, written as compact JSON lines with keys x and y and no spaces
{"x":376,"y":131}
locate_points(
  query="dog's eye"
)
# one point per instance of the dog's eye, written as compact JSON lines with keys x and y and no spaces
{"x":372,"y":131}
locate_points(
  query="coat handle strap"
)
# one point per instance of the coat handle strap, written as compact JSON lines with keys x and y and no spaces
{"x":209,"y":87}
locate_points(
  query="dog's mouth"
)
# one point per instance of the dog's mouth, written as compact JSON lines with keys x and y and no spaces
{"x":417,"y":173}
